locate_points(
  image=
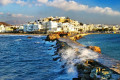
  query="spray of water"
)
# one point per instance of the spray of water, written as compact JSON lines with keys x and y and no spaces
{"x":72,"y":56}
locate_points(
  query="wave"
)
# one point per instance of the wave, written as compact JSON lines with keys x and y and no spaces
{"x":18,"y":40}
{"x":74,"y":55}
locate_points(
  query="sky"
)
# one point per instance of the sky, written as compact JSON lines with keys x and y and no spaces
{"x":85,"y":11}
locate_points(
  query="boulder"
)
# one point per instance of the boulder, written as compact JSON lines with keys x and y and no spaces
{"x":73,"y":38}
{"x":55,"y":59}
{"x":95,"y":48}
{"x":77,"y":37}
{"x":52,"y":37}
{"x":29,"y":37}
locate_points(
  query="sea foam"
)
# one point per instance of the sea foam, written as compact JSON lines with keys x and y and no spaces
{"x":72,"y":56}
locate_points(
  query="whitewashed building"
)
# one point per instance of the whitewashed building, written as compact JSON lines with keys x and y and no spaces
{"x":52,"y":25}
{"x":2,"y":28}
{"x":32,"y":27}
{"x":67,"y":27}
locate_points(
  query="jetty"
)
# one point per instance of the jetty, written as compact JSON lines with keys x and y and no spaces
{"x":105,"y":61}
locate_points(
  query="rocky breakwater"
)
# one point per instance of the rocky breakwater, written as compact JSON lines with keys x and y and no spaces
{"x":80,"y":60}
{"x":77,"y":37}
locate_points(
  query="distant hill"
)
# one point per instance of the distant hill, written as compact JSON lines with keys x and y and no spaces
{"x":5,"y":24}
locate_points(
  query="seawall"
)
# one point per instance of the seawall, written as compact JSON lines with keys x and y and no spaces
{"x":89,"y":63}
{"x":103,"y":59}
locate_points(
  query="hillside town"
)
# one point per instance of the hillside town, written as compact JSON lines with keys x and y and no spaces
{"x":58,"y":24}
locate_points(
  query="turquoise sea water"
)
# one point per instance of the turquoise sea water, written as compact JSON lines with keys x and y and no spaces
{"x":109,"y":43}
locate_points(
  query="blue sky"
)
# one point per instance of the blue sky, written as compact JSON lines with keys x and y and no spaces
{"x":86,"y":11}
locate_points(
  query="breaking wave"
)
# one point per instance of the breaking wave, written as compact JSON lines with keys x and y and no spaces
{"x":72,"y":56}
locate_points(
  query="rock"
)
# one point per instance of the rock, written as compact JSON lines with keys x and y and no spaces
{"x":29,"y":37}
{"x":76,"y":49}
{"x":50,"y":49}
{"x":74,"y":38}
{"x":51,"y":45}
{"x":83,"y":79}
{"x":55,"y":59}
{"x":95,"y":48}
{"x":52,"y":37}
{"x":69,"y":34}
{"x":87,"y":70}
{"x":76,"y":79}
{"x":86,"y":76}
{"x":78,"y":37}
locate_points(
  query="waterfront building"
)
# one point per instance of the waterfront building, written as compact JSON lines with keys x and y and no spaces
{"x":90,"y":27}
{"x":31,"y":27}
{"x":67,"y":27}
{"x":75,"y":23}
{"x":2,"y":28}
{"x":8,"y":29}
{"x":52,"y":25}
{"x":59,"y":24}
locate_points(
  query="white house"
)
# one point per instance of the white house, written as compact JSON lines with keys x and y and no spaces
{"x":52,"y":25}
{"x":32,"y":27}
{"x":2,"y":28}
{"x":21,"y":27}
{"x":67,"y":27}
{"x":84,"y":27}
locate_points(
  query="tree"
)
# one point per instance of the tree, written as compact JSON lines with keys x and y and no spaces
{"x":81,"y":24}
{"x":80,"y":30}
{"x":67,"y":17}
{"x":106,"y":29}
{"x":111,"y":29}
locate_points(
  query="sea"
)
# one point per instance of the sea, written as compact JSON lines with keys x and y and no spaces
{"x":29,"y":58}
{"x":109,"y":43}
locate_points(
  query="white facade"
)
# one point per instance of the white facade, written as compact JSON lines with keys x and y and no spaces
{"x":2,"y":28}
{"x":67,"y":27}
{"x":32,"y":27}
{"x":21,"y":27}
{"x":52,"y":26}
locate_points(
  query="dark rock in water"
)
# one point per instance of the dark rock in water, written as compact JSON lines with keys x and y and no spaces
{"x":51,"y":45}
{"x":86,"y":76}
{"x":63,"y":66}
{"x":80,"y":66}
{"x":50,"y":49}
{"x":55,"y":53}
{"x":76,"y":79}
{"x":55,"y":59}
{"x":29,"y":37}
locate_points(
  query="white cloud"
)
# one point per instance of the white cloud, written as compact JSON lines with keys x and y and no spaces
{"x":20,"y":16}
{"x":5,"y":2}
{"x":21,"y":2}
{"x":38,"y":4}
{"x":72,"y":5}
{"x":1,"y":13}
{"x":43,"y":1}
